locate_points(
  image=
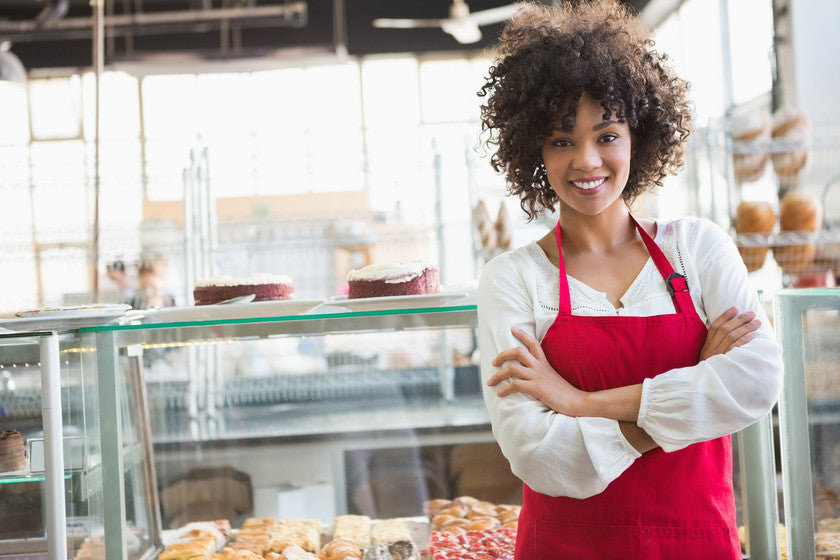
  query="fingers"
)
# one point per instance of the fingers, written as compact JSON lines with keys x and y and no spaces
{"x":531,"y":343}
{"x":741,"y":334}
{"x":729,"y":331}
{"x":727,"y":315}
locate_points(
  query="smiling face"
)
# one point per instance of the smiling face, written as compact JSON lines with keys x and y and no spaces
{"x":588,"y":166}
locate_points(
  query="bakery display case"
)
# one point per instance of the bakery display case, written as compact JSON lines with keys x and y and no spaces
{"x":307,"y":410}
{"x":313,"y":408}
{"x":86,"y":488}
{"x":808,"y":326}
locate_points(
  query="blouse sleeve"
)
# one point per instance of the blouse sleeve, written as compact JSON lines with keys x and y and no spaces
{"x":726,"y":392}
{"x":554,"y":454}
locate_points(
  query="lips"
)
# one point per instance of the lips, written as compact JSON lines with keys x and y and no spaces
{"x":589,"y":184}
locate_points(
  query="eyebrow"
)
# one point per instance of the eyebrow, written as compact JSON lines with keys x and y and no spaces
{"x":597,"y":127}
{"x":603,"y":124}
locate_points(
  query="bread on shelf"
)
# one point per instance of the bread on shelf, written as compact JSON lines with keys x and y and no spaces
{"x":751,"y":132}
{"x":800,"y":218}
{"x":792,"y":131}
{"x":754,"y":220}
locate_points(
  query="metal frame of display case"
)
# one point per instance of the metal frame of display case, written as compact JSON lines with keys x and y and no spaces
{"x":104,"y":475}
{"x":793,"y":416}
{"x":56,"y":520}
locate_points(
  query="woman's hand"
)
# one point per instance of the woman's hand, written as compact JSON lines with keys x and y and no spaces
{"x":527,"y":371}
{"x":729,"y":331}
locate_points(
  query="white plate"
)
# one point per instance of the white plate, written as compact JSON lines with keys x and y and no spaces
{"x":100,"y":310}
{"x":421,"y":301}
{"x":64,"y":318}
{"x":230,"y":311}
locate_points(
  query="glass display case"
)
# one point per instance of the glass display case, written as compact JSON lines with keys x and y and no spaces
{"x":190,"y":414}
{"x":312,"y":409}
{"x":85,"y":437}
{"x":808,"y":326}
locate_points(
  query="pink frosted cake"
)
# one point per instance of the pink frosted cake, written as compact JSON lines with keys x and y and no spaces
{"x":397,"y":279}
{"x":265,"y":287}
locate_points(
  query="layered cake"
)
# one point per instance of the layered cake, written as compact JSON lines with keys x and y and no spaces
{"x":264,"y":287}
{"x":12,"y":455}
{"x":397,"y":279}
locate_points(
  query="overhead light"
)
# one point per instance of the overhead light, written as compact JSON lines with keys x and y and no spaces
{"x":11,"y":69}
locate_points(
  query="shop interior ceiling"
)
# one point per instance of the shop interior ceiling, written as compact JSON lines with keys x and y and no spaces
{"x":56,"y":34}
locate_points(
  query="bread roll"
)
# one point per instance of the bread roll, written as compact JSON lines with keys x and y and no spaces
{"x":800,"y":213}
{"x":754,"y":218}
{"x":481,"y":510}
{"x":792,"y":127}
{"x":751,"y":133}
{"x":481,"y":523}
{"x":431,"y":507}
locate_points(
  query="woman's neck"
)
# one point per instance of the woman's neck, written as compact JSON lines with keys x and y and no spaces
{"x":602,"y":233}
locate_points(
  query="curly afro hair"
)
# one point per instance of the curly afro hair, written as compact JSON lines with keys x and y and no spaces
{"x":546,"y":58}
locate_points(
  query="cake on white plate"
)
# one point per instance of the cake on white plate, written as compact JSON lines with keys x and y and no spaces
{"x":264,"y":287}
{"x":393,"y":279}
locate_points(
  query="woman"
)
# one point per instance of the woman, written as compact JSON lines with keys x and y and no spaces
{"x":607,"y":391}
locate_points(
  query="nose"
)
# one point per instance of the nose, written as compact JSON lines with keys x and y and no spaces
{"x":586,"y":157}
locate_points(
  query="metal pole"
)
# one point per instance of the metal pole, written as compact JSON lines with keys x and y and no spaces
{"x":98,"y":64}
{"x":53,"y":448}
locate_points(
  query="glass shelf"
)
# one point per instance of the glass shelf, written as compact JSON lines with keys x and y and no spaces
{"x":291,"y":325}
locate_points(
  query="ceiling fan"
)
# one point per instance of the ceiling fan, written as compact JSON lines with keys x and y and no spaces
{"x":462,"y":24}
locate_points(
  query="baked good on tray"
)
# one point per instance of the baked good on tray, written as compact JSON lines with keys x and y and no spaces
{"x":340,"y":549}
{"x":751,"y":131}
{"x":792,"y":126}
{"x":800,"y":214}
{"x":754,"y":218}
{"x":394,"y":279}
{"x":353,"y":528}
{"x":498,"y":544}
{"x":305,"y":533}
{"x":264,"y":287}
{"x":12,"y":454}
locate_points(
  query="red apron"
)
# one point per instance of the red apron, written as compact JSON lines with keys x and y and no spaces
{"x":665,"y":505}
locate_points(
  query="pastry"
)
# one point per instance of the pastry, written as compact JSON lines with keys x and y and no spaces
{"x":481,"y":510}
{"x":800,"y":216}
{"x":750,"y":132}
{"x":377,"y":552}
{"x":754,"y":218}
{"x":481,"y":523}
{"x":355,"y":528}
{"x":389,"y":530}
{"x":792,"y":128}
{"x":340,"y":549}
{"x":295,"y":552}
{"x":305,"y":533}
{"x":431,"y":507}
{"x":404,"y":550}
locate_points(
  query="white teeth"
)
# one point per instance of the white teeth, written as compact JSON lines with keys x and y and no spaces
{"x":587,"y":185}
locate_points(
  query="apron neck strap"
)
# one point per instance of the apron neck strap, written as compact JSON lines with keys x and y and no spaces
{"x":675,"y":282}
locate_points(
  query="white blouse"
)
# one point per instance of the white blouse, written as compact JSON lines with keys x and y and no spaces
{"x":561,"y":455}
